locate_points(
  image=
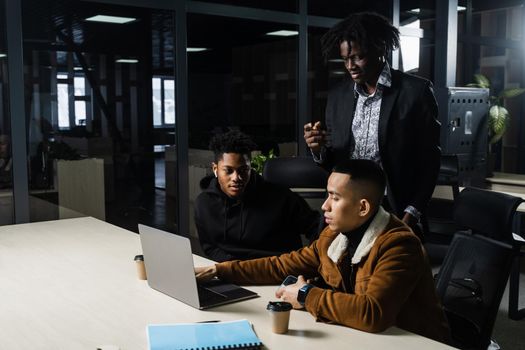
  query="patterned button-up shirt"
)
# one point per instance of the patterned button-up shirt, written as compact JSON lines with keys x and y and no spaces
{"x":365,"y":125}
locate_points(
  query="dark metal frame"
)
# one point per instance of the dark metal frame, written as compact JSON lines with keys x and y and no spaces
{"x":181,"y":118}
{"x":446,"y":43}
{"x":17,"y":110}
{"x":395,"y":23}
{"x":521,"y":141}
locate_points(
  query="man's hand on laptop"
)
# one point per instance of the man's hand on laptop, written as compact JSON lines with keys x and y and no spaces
{"x":205,"y":273}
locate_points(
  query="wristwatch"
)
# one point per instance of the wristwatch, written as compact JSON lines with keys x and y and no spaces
{"x":303,"y":292}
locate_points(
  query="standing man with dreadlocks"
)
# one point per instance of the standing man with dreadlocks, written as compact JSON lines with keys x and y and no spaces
{"x":379,"y":114}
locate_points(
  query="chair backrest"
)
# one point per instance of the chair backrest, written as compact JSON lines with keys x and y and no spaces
{"x":296,"y":172}
{"x":471,"y":283}
{"x":487,"y":213}
{"x":449,"y":173}
{"x":438,"y":224}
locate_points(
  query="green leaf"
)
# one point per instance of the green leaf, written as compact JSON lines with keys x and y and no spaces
{"x":258,"y":161}
{"x":495,"y":138}
{"x":509,"y":93}
{"x":482,"y":81}
{"x":498,"y":115}
{"x":498,"y":119}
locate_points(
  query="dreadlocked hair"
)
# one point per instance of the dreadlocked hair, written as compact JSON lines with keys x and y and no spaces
{"x":371,"y":31}
{"x":232,"y":141}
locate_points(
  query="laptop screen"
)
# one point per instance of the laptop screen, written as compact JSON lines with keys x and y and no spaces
{"x":169,"y":264}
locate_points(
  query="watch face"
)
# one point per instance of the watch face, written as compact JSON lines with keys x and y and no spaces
{"x":301,"y":295}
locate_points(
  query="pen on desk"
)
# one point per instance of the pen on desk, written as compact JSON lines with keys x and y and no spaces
{"x":210,"y":321}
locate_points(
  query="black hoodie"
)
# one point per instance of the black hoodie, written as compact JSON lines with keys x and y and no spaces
{"x":267,"y":220}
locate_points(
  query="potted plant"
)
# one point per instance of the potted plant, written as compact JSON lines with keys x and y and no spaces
{"x":259,"y":160}
{"x":498,"y":115}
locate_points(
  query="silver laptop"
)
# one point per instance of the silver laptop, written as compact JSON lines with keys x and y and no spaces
{"x":169,"y":268}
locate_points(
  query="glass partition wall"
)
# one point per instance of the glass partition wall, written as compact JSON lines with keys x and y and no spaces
{"x":417,"y":22}
{"x":106,"y":117}
{"x":490,"y":42}
{"x":99,"y":98}
{"x":239,"y":79}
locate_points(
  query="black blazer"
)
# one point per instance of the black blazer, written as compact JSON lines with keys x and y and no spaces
{"x":408,"y":137}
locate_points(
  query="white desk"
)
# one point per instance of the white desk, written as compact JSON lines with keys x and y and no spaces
{"x":507,"y":182}
{"x":445,"y":192}
{"x":71,"y":284}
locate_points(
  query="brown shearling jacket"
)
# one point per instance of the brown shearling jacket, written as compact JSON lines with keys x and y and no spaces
{"x":393,"y":280}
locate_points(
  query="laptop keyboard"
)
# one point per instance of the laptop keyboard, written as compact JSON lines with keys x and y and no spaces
{"x":217,"y":292}
{"x":207,"y":296}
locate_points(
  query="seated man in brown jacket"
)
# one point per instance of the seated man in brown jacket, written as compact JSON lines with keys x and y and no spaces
{"x":374,"y":269}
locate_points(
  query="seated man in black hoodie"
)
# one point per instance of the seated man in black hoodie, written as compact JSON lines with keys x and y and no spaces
{"x":239,"y":215}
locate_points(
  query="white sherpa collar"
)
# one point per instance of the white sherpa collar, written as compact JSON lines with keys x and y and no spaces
{"x":340,"y":243}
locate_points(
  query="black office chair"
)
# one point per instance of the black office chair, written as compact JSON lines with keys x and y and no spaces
{"x":491,"y":214}
{"x":298,"y":173}
{"x":449,"y":173}
{"x":440,"y":225}
{"x":471,"y":283}
{"x":487,"y":213}
{"x":304,"y":176}
{"x":515,"y":313}
{"x":438,"y":222}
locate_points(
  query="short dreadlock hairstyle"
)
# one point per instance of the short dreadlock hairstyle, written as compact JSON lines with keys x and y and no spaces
{"x":232,"y":141}
{"x":371,"y":31}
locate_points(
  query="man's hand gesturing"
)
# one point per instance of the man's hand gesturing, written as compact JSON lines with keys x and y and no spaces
{"x":315,"y":137}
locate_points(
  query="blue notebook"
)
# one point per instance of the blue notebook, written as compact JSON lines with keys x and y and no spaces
{"x":217,"y":335}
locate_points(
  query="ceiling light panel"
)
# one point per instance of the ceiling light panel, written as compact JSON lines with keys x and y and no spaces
{"x":127,"y":60}
{"x":196,"y":49}
{"x":283,"y":33}
{"x":110,"y":19}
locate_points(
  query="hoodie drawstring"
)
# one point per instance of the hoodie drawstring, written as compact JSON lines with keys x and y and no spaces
{"x":227,"y":207}
{"x":242,"y":219}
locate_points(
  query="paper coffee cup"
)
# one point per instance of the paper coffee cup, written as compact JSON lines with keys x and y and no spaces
{"x":280,"y":314}
{"x":141,"y":269}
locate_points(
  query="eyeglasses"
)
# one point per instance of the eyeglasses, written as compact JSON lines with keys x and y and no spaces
{"x":353,"y":59}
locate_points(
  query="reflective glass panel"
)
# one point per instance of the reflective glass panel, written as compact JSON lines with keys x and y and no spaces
{"x":243,"y":79}
{"x":99,"y":117}
{"x":417,"y":28}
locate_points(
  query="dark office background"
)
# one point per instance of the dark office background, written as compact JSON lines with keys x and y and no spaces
{"x":195,"y":68}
